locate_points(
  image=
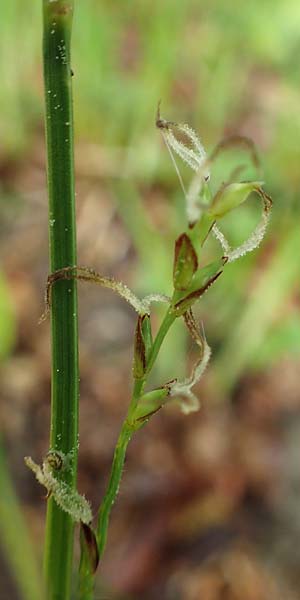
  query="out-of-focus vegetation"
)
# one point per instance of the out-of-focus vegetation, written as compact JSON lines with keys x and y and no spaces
{"x":223,"y":68}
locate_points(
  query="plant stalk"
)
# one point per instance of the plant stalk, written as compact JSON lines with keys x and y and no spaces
{"x":57,"y":26}
{"x":114,"y":483}
{"x":86,"y":576}
{"x":127,"y":430}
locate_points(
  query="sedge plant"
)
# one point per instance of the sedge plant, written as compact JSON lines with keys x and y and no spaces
{"x":191,"y":279}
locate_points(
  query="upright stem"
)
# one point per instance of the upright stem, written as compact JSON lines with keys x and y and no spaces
{"x":113,"y":486}
{"x":127,"y":430}
{"x":168,"y":320}
{"x":112,"y":489}
{"x":57,"y":25}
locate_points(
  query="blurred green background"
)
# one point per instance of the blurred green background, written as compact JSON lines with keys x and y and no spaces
{"x":225,"y":69}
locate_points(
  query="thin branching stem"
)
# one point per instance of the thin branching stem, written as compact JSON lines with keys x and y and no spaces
{"x":125,"y":435}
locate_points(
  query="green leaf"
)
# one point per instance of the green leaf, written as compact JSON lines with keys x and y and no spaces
{"x":202,"y":280}
{"x":150,"y":403}
{"x":142,"y":345}
{"x":185,"y":262}
{"x":139,"y":356}
{"x":147,"y":333}
{"x":199,"y":232}
{"x":231,"y":196}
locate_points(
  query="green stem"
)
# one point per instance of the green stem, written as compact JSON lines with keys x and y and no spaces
{"x":127,"y":430}
{"x":168,"y":320}
{"x":113,"y":485}
{"x":57,"y":25}
{"x":86,"y":577}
